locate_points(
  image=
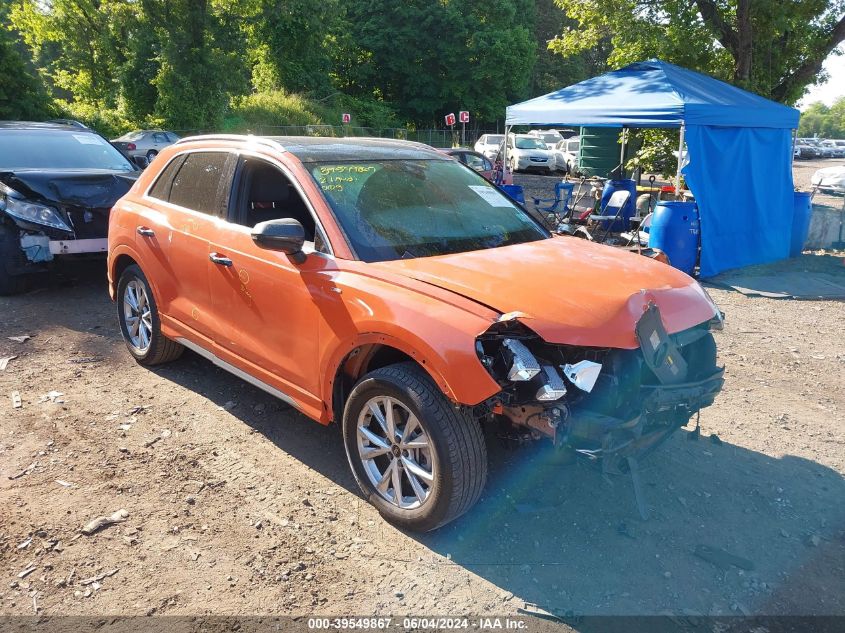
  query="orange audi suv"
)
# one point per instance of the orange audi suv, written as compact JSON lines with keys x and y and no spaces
{"x":387,"y":287}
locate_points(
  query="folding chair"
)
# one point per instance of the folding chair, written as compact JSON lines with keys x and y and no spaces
{"x":639,"y":235}
{"x":616,"y":203}
{"x":559,"y":207}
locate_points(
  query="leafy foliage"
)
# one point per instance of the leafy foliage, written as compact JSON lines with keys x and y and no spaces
{"x":823,"y":121}
{"x":22,"y":95}
{"x":205,"y":64}
{"x":773,"y":48}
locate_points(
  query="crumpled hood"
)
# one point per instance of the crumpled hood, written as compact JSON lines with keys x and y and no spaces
{"x":89,"y":188}
{"x":568,"y":290}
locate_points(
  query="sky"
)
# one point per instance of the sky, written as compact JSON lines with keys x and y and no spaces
{"x":832,"y":88}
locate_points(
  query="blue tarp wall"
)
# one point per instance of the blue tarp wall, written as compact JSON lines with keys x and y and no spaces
{"x":739,"y":148}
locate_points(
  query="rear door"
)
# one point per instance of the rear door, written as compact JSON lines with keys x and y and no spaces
{"x":187,"y":204}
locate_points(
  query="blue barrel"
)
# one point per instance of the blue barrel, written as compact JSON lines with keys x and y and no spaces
{"x":674,"y":230}
{"x":515,"y":191}
{"x":801,"y":214}
{"x":611,"y":187}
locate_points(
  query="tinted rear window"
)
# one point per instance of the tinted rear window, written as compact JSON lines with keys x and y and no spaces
{"x":58,"y":149}
{"x":198,"y":182}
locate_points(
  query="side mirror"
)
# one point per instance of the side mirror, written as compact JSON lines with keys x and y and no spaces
{"x":141,"y":162}
{"x":285,"y":235}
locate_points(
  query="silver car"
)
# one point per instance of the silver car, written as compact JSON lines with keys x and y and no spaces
{"x":146,"y":143}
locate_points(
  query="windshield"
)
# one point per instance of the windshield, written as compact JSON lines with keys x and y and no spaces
{"x":395,"y":209}
{"x":132,"y":136}
{"x":526,"y":142}
{"x":50,"y":149}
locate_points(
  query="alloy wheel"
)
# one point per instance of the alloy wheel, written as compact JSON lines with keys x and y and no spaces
{"x":137,"y":316}
{"x":396,"y":452}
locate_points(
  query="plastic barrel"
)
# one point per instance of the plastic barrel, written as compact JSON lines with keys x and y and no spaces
{"x":801,"y":214}
{"x":628,"y":211}
{"x":674,"y":230}
{"x":515,"y":191}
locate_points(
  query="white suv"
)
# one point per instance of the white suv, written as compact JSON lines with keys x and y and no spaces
{"x":489,"y":145}
{"x":529,"y":152}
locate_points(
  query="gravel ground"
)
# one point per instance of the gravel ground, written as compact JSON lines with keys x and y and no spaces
{"x":238,"y":505}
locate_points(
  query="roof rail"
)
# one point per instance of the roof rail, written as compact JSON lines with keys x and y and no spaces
{"x":244,"y":138}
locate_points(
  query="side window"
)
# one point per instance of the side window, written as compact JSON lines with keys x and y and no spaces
{"x":161,"y":188}
{"x":202,"y":183}
{"x":476,"y":162}
{"x":159,"y":137}
{"x":266,"y":193}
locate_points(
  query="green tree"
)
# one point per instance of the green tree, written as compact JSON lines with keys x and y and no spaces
{"x":817,"y":119}
{"x":199,"y":63}
{"x":553,"y":71}
{"x":289,"y":43}
{"x":428,"y":58}
{"x":75,"y":41}
{"x":771,"y":47}
{"x":22,"y":94}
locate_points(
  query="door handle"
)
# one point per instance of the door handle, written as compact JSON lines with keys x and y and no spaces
{"x":220,"y":260}
{"x":146,"y":232}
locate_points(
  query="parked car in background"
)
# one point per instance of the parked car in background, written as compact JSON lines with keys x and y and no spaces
{"x":72,"y":122}
{"x":489,"y":145}
{"x":380,"y":285}
{"x":473,"y":160}
{"x":815,"y":148}
{"x":57,"y":185}
{"x":566,"y":154}
{"x":836,"y":150}
{"x":806,"y":149}
{"x":830,"y":179}
{"x":529,"y":152}
{"x":146,"y":143}
{"x":549,"y":137}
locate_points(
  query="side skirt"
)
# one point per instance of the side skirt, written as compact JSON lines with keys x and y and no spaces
{"x":238,"y":372}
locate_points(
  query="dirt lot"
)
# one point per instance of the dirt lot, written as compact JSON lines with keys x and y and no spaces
{"x":238,"y":505}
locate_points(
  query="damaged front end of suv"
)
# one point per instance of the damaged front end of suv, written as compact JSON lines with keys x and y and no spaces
{"x":57,"y":186}
{"x":608,"y":404}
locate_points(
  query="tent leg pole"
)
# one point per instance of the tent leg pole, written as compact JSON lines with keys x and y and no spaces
{"x":678,"y":173}
{"x":622,"y":153}
{"x":505,"y":157}
{"x":794,"y":141}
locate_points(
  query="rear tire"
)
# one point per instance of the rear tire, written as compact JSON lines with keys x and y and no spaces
{"x":139,"y":321}
{"x":12,"y":259}
{"x":437,"y":449}
{"x":151,"y":155}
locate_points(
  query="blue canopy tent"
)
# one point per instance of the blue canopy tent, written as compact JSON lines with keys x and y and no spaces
{"x":739,"y":147}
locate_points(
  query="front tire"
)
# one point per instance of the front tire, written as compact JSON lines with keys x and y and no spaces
{"x":139,"y":321}
{"x":12,"y":259}
{"x":417,"y":458}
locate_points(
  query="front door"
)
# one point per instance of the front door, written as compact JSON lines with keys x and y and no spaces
{"x":268,"y":307}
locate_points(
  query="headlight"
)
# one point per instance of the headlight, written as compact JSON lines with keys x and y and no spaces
{"x":523,"y":364}
{"x":35,"y":213}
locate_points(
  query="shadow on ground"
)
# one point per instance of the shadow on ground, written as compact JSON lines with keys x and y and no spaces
{"x":563,"y":536}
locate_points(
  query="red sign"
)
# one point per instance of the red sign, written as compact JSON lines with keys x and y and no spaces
{"x":450,"y":118}
{"x":464,"y":116}
{"x":346,"y":117}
